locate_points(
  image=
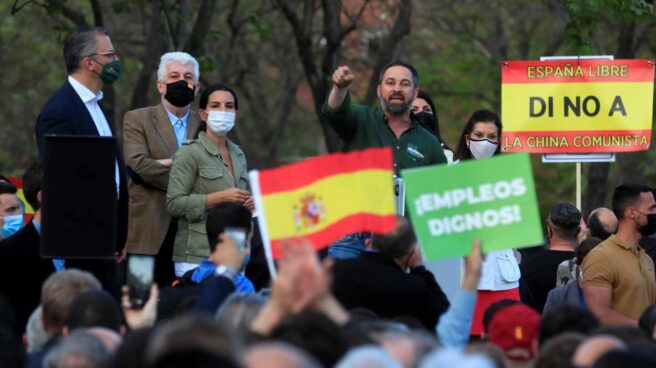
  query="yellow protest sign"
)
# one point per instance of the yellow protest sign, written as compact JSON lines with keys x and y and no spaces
{"x":577,"y":106}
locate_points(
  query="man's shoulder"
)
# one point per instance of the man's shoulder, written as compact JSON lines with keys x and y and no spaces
{"x":426,"y":134}
{"x":602,"y":254}
{"x":25,"y":241}
{"x":143,"y":112}
{"x":604,"y":248}
{"x":369,"y":260}
{"x":60,"y":98}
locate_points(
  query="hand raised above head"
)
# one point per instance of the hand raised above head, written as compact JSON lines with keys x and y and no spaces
{"x":342,"y":77}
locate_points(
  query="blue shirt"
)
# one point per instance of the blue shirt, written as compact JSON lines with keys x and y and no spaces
{"x":454,"y":325}
{"x":58,"y":263}
{"x":180,"y":131}
{"x":207,"y":269}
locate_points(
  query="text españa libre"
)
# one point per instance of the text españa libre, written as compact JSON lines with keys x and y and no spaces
{"x":572,"y":71}
{"x":482,"y":193}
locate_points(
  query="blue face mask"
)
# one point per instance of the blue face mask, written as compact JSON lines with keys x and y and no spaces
{"x":11,"y":226}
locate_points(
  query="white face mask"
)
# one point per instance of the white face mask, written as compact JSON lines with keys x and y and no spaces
{"x":482,"y":149}
{"x":220,"y":122}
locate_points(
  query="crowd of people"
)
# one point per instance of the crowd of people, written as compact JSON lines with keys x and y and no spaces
{"x":587,"y":298}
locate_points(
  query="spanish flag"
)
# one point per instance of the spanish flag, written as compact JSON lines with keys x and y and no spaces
{"x":29,"y":211}
{"x":325,"y":198}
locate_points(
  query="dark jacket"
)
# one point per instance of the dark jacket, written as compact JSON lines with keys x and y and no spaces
{"x":376,"y":282}
{"x":66,"y":114}
{"x":22,"y":272}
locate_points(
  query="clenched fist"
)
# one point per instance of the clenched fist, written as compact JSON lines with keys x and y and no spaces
{"x":342,"y":77}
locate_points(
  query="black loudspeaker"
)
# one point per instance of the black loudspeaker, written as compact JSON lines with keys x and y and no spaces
{"x":79,"y":203}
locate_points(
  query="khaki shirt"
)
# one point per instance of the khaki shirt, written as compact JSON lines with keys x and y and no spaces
{"x":197,"y":171}
{"x":628,"y":272}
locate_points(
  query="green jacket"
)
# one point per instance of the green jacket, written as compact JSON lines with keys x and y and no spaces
{"x":362,"y":127}
{"x":197,"y":171}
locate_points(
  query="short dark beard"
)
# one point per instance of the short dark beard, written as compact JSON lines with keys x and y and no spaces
{"x":395,"y":109}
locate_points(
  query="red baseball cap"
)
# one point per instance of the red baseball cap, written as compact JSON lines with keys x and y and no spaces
{"x":514,"y":329}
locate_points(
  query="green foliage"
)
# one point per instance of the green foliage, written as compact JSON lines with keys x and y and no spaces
{"x":585,"y":16}
{"x":207,"y":65}
{"x":264,"y":30}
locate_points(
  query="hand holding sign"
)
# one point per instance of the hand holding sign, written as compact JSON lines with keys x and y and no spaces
{"x":473,"y":267}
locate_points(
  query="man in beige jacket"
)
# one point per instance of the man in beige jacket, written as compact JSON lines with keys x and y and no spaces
{"x":152,"y":135}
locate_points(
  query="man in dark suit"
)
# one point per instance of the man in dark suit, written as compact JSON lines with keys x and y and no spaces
{"x":151,"y":136}
{"x":75,"y":109}
{"x":22,"y":270}
{"x":390,"y":279}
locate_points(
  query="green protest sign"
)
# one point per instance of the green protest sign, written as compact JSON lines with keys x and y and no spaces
{"x":492,"y":199}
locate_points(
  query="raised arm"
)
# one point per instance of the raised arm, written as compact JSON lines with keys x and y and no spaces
{"x":342,"y":78}
{"x":454,"y":326}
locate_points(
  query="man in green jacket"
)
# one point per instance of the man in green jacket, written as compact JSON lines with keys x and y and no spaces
{"x":390,"y":125}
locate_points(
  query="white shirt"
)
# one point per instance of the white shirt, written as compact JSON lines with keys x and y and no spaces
{"x":500,"y":271}
{"x":91,"y":102}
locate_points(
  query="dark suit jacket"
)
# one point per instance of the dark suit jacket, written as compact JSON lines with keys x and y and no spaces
{"x":22,"y":272}
{"x":66,"y":114}
{"x":376,"y":282}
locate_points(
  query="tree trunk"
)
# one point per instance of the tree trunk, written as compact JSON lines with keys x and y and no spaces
{"x":385,"y":53}
{"x":155,"y":46}
{"x":595,"y":195}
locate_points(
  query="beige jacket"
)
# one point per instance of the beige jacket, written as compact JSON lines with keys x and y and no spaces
{"x":148,"y":136}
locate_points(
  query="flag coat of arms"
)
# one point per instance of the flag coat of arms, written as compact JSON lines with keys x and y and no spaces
{"x":325,"y":198}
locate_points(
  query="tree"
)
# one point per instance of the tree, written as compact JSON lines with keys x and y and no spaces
{"x":589,"y":25}
{"x":319,"y":51}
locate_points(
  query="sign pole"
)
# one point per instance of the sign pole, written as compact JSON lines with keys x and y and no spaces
{"x":578,"y":185}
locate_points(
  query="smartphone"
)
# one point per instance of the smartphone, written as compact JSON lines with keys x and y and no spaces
{"x":140,"y":278}
{"x":238,"y":235}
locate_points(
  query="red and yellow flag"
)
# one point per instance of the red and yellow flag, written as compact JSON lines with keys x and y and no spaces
{"x":577,"y":106}
{"x":18,"y":182}
{"x":325,"y":198}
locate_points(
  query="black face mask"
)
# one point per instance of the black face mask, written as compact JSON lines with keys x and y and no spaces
{"x":180,"y":93}
{"x":650,"y":227}
{"x":427,"y":120}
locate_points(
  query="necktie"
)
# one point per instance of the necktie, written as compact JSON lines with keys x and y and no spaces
{"x":179,"y":132}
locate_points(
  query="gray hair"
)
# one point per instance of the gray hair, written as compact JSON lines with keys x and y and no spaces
{"x":80,"y":349}
{"x":177,"y":57}
{"x":80,"y":44}
{"x":36,"y":334}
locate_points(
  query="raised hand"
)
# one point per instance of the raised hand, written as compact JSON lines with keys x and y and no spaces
{"x":342,"y":77}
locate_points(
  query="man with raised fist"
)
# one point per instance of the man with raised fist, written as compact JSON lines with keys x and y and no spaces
{"x":392,"y":125}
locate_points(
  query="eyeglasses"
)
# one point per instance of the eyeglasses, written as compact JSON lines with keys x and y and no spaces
{"x":109,"y":54}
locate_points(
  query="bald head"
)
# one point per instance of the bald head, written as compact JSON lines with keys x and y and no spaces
{"x":602,"y":223}
{"x":277,"y":355}
{"x":593,"y":348}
